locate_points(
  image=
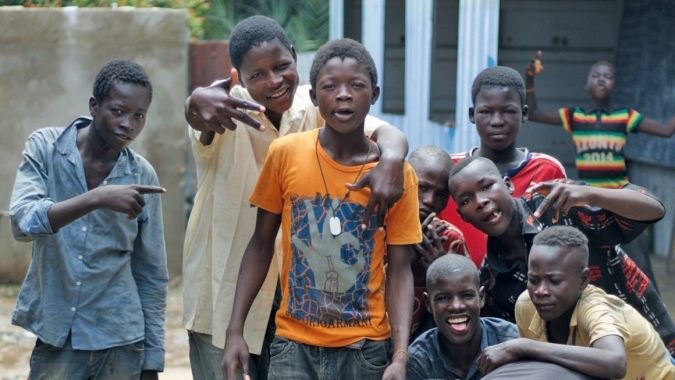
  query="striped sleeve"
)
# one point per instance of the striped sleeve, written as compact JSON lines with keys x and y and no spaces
{"x":566,"y":118}
{"x":634,"y":119}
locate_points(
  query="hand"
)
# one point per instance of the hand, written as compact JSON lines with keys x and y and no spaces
{"x":496,"y":356}
{"x":235,"y":354}
{"x":212,"y":109}
{"x":396,"y":370}
{"x":431,"y":247}
{"x":561,"y":197}
{"x":125,"y":199}
{"x":149,"y":375}
{"x":386,"y":184}
{"x":535,"y":67}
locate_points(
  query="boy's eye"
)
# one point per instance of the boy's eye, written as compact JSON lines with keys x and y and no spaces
{"x":140,"y":116}
{"x":555,"y":281}
{"x":328,"y":86}
{"x":422,"y":188}
{"x":464,"y":202}
{"x":116,"y":112}
{"x":283,"y":66}
{"x":468,"y":296}
{"x":532,"y":280}
{"x":488,"y":186}
{"x":256,"y":75}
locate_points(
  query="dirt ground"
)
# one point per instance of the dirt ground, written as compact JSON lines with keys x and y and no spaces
{"x":16,"y":343}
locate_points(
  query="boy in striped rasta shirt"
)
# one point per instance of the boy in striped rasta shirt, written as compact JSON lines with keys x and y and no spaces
{"x":599,"y":131}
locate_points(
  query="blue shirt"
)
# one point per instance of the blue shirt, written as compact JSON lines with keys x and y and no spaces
{"x":102,"y":278}
{"x":428,"y":361}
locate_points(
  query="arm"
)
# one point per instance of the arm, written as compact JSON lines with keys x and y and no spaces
{"x":606,"y":358}
{"x":386,"y":179}
{"x":626,"y":203}
{"x":653,"y":127}
{"x":149,"y":269}
{"x":535,"y":114}
{"x":399,"y":300}
{"x":252,"y":272}
{"x":210,"y":110}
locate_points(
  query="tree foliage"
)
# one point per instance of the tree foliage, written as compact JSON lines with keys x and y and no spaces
{"x":305,"y":21}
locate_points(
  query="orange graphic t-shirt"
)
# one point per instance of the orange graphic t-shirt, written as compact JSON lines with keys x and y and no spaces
{"x":332,"y":285}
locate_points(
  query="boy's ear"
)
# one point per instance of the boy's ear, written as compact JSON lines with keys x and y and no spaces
{"x":427,"y":303}
{"x":93,"y":106}
{"x":294,"y":54}
{"x":312,"y":96}
{"x":239,"y":81}
{"x":471,"y":115}
{"x":585,"y":278}
{"x":376,"y":95}
{"x":526,"y":113}
{"x":481,"y":295}
{"x":509,"y":185}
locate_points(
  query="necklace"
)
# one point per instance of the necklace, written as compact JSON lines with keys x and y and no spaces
{"x":334,"y":223}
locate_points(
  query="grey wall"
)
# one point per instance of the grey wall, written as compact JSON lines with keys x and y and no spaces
{"x":48,"y":61}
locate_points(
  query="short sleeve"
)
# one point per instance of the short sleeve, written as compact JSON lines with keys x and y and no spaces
{"x":268,"y":193}
{"x":634,"y":119}
{"x":403,"y":221}
{"x":566,"y":118}
{"x":371,"y":124}
{"x":600,"y":320}
{"x":524,"y":314}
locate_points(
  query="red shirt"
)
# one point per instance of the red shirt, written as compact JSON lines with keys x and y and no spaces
{"x":537,"y":167}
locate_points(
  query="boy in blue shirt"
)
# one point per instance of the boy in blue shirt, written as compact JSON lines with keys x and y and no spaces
{"x":95,"y":292}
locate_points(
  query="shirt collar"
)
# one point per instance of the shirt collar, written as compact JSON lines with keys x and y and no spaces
{"x":293,"y":115}
{"x":66,"y":144}
{"x":448,"y":368}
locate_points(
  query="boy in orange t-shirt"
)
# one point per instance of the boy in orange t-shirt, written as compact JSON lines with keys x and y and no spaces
{"x":335,"y":318}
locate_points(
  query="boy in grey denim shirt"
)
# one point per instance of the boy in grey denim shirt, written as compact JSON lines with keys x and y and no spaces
{"x":95,"y":292}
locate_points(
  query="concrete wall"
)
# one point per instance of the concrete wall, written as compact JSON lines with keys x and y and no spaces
{"x":48,"y":61}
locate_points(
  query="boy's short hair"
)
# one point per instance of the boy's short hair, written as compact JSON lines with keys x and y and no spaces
{"x":343,"y":48}
{"x":119,"y":71}
{"x":498,"y":77}
{"x":431,"y":154}
{"x":602,"y":63}
{"x":564,"y":237}
{"x":451,"y":265}
{"x":252,"y":32}
{"x":466,"y":161}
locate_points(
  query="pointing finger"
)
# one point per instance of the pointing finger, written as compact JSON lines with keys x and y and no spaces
{"x":144,"y":189}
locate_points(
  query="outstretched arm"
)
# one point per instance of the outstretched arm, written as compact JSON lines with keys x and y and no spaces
{"x":627,"y":203}
{"x":252,"y":272}
{"x":535,"y":114}
{"x":399,"y":302}
{"x":211,"y":110}
{"x":655,"y":128}
{"x":606,"y":358}
{"x":386,"y":179}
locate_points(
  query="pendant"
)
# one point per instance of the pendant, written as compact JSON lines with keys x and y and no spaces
{"x":335,"y":225}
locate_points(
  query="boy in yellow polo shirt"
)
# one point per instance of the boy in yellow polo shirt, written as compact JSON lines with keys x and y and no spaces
{"x":564,"y":320}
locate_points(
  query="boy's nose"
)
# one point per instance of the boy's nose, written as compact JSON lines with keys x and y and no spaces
{"x":343,"y":93}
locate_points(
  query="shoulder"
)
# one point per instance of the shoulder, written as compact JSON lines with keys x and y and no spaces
{"x":294,"y":144}
{"x":44,"y":136}
{"x":499,"y":328}
{"x":544,"y":160}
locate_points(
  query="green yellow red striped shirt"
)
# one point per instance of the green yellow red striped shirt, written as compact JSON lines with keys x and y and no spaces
{"x":599,"y":137}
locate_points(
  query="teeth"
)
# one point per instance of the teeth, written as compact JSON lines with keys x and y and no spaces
{"x":457,"y":320}
{"x":496,"y":213}
{"x":278,"y":94}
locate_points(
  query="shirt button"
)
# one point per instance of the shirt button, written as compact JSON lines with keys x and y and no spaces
{"x":84,"y":228}
{"x":79,"y":257}
{"x":105,"y":182}
{"x":72,"y":309}
{"x":79,"y":283}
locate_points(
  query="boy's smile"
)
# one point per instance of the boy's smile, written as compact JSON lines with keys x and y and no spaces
{"x":555,"y":280}
{"x":344,"y":93}
{"x":455,"y":303}
{"x":120,"y":117}
{"x":498,"y":116}
{"x":483,"y":198}
{"x":270,"y":75}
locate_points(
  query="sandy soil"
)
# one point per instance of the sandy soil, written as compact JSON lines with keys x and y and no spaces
{"x":16,"y":343}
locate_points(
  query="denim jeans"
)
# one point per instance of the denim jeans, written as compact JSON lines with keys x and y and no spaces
{"x":293,"y":360}
{"x":117,"y":363}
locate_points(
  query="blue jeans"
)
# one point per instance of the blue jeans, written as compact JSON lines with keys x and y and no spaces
{"x":117,"y":363}
{"x":293,"y":360}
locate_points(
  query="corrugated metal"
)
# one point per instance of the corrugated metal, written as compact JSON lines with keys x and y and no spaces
{"x":419,"y":26}
{"x":477,"y":50}
{"x":337,"y":19}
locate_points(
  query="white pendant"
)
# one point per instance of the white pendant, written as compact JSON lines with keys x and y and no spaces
{"x":335,"y":225}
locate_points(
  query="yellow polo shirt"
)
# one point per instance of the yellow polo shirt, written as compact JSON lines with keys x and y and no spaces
{"x":597,"y":315}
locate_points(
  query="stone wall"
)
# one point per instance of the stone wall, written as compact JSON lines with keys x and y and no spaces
{"x":48,"y":61}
